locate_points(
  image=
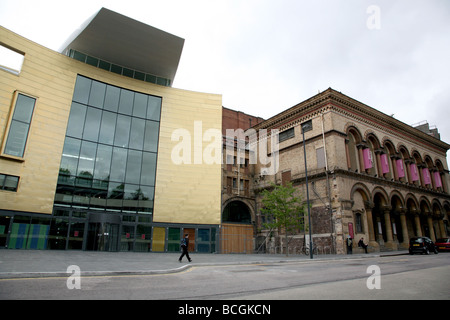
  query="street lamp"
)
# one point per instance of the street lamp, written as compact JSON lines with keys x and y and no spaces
{"x":307,"y":126}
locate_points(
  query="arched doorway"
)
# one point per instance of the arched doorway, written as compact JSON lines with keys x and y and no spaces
{"x":237,"y":229}
{"x":236,"y":212}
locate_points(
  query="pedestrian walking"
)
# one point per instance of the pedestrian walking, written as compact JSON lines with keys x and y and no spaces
{"x":184,"y":247}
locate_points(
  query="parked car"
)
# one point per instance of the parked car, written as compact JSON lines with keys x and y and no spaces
{"x":421,"y":245}
{"x":443,"y":244}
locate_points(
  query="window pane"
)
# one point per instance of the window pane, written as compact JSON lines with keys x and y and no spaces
{"x":17,"y":138}
{"x":137,"y":133}
{"x":97,"y":95}
{"x":92,"y":125}
{"x":112,"y":98}
{"x":140,"y":105}
{"x":82,"y":89}
{"x":103,"y":162}
{"x":148,"y":169}
{"x":146,"y":199}
{"x":151,"y":136}
{"x":87,"y":158}
{"x":133,"y":166}
{"x":118,"y":165}
{"x":130,"y":197}
{"x":107,"y":127}
{"x":24,"y":108}
{"x":69,"y":160}
{"x":115,"y":196}
{"x":154,"y":108}
{"x":11,"y":183}
{"x":122,"y":133}
{"x":76,"y":120}
{"x":126,"y":102}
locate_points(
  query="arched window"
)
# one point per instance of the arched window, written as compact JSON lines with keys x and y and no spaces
{"x":351,"y":147}
{"x":388,"y":161}
{"x":440,"y":179}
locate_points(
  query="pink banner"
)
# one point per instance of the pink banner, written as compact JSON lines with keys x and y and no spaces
{"x":384,"y":163}
{"x":414,"y":172}
{"x":400,"y":168}
{"x":426,"y":176}
{"x":368,"y":161}
{"x":437,"y":179}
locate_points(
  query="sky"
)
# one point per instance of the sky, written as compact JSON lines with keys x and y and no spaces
{"x":265,"y":56}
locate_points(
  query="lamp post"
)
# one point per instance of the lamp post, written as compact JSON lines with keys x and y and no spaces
{"x":307,"y":126}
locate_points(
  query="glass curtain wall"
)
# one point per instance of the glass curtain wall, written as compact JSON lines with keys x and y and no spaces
{"x":110,"y":151}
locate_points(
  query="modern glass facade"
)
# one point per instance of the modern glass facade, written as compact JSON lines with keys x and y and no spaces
{"x":109,"y":157}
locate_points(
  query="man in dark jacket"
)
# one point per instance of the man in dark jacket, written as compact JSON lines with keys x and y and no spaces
{"x":184,"y":247}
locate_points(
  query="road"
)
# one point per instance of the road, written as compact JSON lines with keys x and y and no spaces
{"x":400,"y":277}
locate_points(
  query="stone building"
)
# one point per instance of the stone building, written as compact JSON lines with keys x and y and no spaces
{"x":370,"y":175}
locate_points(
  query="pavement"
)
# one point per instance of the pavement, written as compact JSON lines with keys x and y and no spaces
{"x":54,"y":263}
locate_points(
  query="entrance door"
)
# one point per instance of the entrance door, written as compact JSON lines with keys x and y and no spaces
{"x":191,"y":233}
{"x":4,"y":230}
{"x":103,"y":236}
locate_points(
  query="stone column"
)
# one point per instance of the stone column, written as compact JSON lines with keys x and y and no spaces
{"x":431,"y":227}
{"x":389,"y":237}
{"x":442,"y":226}
{"x":368,"y":205}
{"x":405,"y":243}
{"x":417,"y":223}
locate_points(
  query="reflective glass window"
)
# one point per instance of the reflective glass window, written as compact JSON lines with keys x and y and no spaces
{"x":112,"y":98}
{"x":118,"y":165}
{"x":76,"y":120}
{"x":154,"y":108}
{"x":20,"y":125}
{"x":148,"y":169}
{"x":134,"y":162}
{"x":92,"y":126}
{"x":97,"y":94}
{"x":137,"y":133}
{"x":151,"y":136}
{"x":107,"y":127}
{"x":126,"y":102}
{"x":110,"y":151}
{"x":103,"y":162}
{"x":122,"y":133}
{"x":82,"y":90}
{"x":71,"y":153}
{"x":140,"y":105}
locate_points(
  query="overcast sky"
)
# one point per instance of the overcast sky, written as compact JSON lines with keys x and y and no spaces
{"x":266,"y":56}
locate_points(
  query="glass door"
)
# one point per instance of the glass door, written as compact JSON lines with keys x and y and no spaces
{"x":4,"y":229}
{"x":103,"y":236}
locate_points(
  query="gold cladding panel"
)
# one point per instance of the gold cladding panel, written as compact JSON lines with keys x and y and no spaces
{"x":188,"y":193}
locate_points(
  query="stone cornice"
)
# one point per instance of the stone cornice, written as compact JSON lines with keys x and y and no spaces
{"x":331,"y":99}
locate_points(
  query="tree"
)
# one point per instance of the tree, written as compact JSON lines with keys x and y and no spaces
{"x":283,"y":209}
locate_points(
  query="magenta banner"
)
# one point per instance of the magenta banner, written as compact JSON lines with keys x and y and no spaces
{"x":414,"y":172}
{"x":437,"y":179}
{"x":426,"y":176}
{"x":400,"y":168}
{"x":368,"y":162}
{"x":384,"y":163}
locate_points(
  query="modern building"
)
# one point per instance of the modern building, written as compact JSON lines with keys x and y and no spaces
{"x":96,"y":144}
{"x":369,"y":175}
{"x":99,"y":152}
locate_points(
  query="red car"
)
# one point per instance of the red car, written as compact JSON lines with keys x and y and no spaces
{"x":443,"y":244}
